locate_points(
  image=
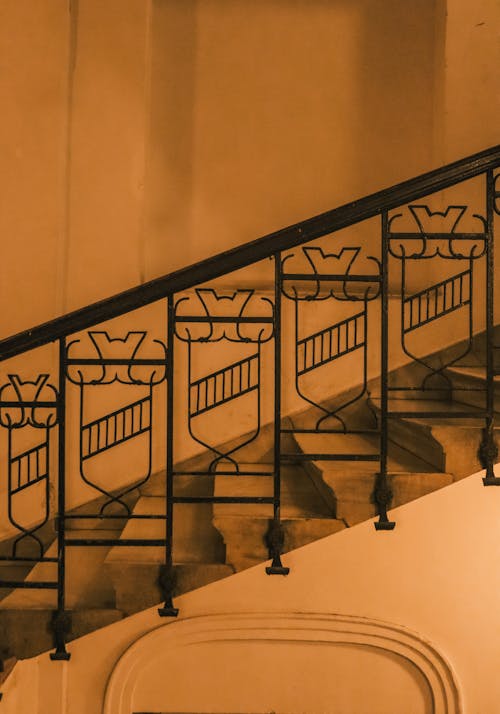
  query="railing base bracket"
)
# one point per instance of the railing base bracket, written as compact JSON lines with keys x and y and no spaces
{"x":168,"y":611}
{"x":277,"y":570}
{"x":60,"y":656}
{"x":491,"y":481}
{"x":385,"y":526}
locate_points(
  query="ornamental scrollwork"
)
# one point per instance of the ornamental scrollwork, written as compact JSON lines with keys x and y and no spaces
{"x":207,"y":316}
{"x":28,"y":393}
{"x":451,"y":234}
{"x":314,"y":274}
{"x":113,"y":359}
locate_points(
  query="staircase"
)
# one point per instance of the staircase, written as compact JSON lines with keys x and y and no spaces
{"x":361,"y":380}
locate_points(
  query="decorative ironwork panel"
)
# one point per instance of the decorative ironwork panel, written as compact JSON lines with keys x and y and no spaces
{"x":95,"y":365}
{"x":347,"y":280}
{"x":245,"y":321}
{"x":28,"y":411}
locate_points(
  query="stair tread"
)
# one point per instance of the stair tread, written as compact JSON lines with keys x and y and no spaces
{"x":192,"y":524}
{"x":475,"y":373}
{"x":399,"y":459}
{"x":411,"y":409}
{"x":299,"y":496}
{"x":82,"y":565}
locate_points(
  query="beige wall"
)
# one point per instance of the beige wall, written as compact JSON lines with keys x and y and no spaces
{"x":279,"y":110}
{"x":144,"y":135}
{"x":140,"y":136}
{"x":107,"y":142}
{"x":472,"y":90}
{"x":171,"y":157}
{"x":34,"y":45}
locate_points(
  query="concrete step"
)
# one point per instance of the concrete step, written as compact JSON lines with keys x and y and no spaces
{"x":469,"y":386}
{"x":245,"y":535}
{"x":135,"y":577}
{"x":448,"y":444}
{"x":13,"y":572}
{"x":86,"y":583}
{"x":26,"y":614}
{"x":195,"y":540}
{"x":7,"y":664}
{"x":305,"y":514}
{"x":198,"y":549}
{"x":351,"y":483}
{"x":26,"y":632}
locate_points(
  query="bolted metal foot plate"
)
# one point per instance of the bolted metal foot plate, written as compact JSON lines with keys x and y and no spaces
{"x":168,"y":611}
{"x":277,"y":570}
{"x":491,"y":481}
{"x":385,"y":526}
{"x":60,"y":656}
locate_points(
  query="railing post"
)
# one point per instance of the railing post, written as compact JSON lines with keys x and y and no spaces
{"x":275,"y":536}
{"x":382,"y":492}
{"x":61,"y":622}
{"x":488,"y":451}
{"x":167,"y":577}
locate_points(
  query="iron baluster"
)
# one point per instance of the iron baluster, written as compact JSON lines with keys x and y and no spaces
{"x":275,"y":536}
{"x":488,"y":450}
{"x":382,"y":492}
{"x":167,"y":577}
{"x":61,"y":622}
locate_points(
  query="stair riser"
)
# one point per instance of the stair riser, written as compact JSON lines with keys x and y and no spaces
{"x":29,"y":632}
{"x":132,"y":598}
{"x":418,"y":440}
{"x":244,"y":550}
{"x":354,"y":493}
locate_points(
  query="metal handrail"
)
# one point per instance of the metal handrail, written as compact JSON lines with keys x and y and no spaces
{"x":252,"y":252}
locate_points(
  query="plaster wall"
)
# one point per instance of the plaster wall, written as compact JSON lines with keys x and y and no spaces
{"x":108,"y":135}
{"x":34,"y":55}
{"x":431,"y":580}
{"x":285,"y":109}
{"x":472,"y":86}
{"x":145,"y":135}
{"x":141,"y":136}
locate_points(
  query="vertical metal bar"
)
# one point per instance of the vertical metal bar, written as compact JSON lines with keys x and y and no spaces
{"x":489,"y":449}
{"x":167,"y":573}
{"x":383,"y":494}
{"x":276,"y":535}
{"x":61,"y":621}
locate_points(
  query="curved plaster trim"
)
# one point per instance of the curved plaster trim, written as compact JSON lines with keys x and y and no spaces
{"x":311,"y":628}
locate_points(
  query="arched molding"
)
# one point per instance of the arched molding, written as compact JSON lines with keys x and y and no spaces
{"x":290,"y":628}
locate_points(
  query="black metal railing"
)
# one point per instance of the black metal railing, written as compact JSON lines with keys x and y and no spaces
{"x":217,"y":365}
